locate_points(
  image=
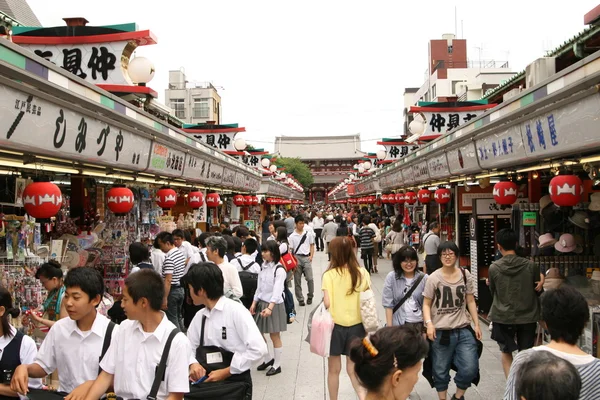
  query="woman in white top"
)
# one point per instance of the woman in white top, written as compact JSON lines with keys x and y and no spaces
{"x":268,"y":308}
{"x":16,"y":348}
{"x":284,"y":247}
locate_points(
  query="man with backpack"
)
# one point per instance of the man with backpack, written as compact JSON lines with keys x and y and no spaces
{"x":248,"y":270}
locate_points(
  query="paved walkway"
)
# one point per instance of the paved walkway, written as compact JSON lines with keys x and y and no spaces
{"x":304,"y":375}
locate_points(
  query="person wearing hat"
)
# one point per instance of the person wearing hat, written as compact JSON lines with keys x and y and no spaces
{"x":514,"y":282}
{"x":594,"y":202}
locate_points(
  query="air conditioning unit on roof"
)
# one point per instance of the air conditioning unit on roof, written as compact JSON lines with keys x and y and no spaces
{"x":540,"y":70}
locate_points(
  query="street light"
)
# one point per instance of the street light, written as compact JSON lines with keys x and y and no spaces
{"x":381,"y":154}
{"x":283,"y":175}
{"x":265,"y":162}
{"x":367,"y":165}
{"x":361,"y":169}
{"x":140,"y":70}
{"x":239,"y":144}
{"x":273,"y":168}
{"x":352,"y":176}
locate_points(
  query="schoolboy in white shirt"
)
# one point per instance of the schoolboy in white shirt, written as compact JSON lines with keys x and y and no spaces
{"x":135,"y":352}
{"x":228,"y":324}
{"x":74,"y":345}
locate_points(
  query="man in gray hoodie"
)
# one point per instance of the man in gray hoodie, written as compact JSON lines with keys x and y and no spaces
{"x":515,"y":283}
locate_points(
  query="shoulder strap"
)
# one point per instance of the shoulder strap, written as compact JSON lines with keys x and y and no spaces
{"x":202,"y":331}
{"x":106,"y":344}
{"x":247,"y":267}
{"x":202,"y":257}
{"x":464,"y":274}
{"x":409,"y":293}
{"x":276,"y":268}
{"x":162,"y":366}
{"x":301,"y":242}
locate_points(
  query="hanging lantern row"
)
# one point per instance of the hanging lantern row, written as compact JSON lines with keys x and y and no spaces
{"x":245,"y":201}
{"x":42,"y":200}
{"x":424,"y":196}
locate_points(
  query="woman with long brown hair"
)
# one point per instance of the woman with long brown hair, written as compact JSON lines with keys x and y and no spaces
{"x":342,"y":284}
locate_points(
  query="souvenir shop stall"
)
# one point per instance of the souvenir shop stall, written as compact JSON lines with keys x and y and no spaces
{"x":85,"y":173}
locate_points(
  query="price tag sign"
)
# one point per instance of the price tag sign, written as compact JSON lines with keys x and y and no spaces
{"x":529,"y":218}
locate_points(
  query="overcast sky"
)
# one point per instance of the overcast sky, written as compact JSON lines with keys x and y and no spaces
{"x":315,"y":68}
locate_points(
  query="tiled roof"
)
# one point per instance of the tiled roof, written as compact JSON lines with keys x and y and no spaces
{"x":560,"y":50}
{"x":20,"y":11}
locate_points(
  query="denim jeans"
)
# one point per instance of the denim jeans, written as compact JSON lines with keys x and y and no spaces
{"x":460,"y":351}
{"x":174,"y":304}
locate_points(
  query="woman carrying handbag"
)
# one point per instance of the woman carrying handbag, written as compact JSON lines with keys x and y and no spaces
{"x":343,"y":284}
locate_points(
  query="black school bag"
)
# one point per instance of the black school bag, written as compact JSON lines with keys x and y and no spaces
{"x":249,"y":283}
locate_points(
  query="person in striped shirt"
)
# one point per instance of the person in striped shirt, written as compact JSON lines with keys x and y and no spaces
{"x":367,"y":246}
{"x":565,"y":312}
{"x":172,"y":272}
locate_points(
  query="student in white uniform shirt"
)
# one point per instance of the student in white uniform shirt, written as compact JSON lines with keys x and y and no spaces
{"x":216,"y":248}
{"x":247,"y":262}
{"x":183,"y":245}
{"x":16,"y":348}
{"x":73,"y":346}
{"x":157,"y":256}
{"x":134,"y":354}
{"x":304,"y":250}
{"x":227,"y":324}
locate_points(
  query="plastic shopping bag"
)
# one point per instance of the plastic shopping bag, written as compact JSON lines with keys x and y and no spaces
{"x":368,"y":311}
{"x":321,"y":329}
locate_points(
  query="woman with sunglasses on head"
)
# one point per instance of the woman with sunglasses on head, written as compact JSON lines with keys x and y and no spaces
{"x":388,"y":362}
{"x":449,"y":309}
{"x":342,"y":284}
{"x":403,"y":290}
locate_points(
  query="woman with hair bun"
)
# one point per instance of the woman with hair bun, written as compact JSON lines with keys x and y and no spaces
{"x":388,"y":362}
{"x":16,"y":348}
{"x":51,"y":275}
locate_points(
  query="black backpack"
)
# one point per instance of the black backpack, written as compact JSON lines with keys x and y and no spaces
{"x":249,"y":283}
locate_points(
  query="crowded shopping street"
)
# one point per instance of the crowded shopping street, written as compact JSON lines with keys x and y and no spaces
{"x":267,"y":200}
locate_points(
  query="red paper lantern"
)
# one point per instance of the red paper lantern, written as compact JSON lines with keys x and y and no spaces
{"x":119,"y":199}
{"x":385,"y":199}
{"x":566,"y":190}
{"x":505,"y":193}
{"x":247,"y":201}
{"x":42,"y":199}
{"x":424,"y":196}
{"x":442,"y":196}
{"x":213,"y":200}
{"x":166,"y":198}
{"x":400,"y":198}
{"x":253,"y":200}
{"x":270,"y":201}
{"x":195,"y":199}
{"x":239,"y":200}
{"x":410,"y":197}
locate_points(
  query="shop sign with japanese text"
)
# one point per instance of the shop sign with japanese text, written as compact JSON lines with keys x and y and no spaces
{"x":239,"y":181}
{"x":420,"y":172}
{"x":394,"y":152}
{"x":408,"y":176}
{"x":463,"y":159}
{"x":213,"y":173}
{"x":438,"y":166}
{"x":218,"y":141}
{"x":568,"y":129}
{"x":501,"y":148}
{"x":96,"y":63}
{"x":166,"y":161}
{"x":440,"y":122}
{"x":32,"y":124}
{"x":228,"y":177}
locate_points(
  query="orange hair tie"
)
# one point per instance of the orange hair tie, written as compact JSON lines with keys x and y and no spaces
{"x":369,"y":346}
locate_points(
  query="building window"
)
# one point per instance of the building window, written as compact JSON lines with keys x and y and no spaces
{"x":201,"y":108}
{"x":450,"y":49}
{"x":178,"y":105}
{"x":433,"y":92}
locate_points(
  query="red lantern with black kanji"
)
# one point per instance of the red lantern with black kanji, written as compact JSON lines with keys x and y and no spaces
{"x":410,"y":197}
{"x":195,"y":199}
{"x":566,"y":190}
{"x":253,"y":200}
{"x":119,"y":199}
{"x":442,"y":196}
{"x":213,"y":200}
{"x":400,"y":198}
{"x":238,"y":200}
{"x":166,"y":198}
{"x":42,"y":199}
{"x":424,"y":196}
{"x":505,"y":193}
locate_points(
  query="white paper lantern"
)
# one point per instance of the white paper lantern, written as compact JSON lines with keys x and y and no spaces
{"x":141,"y":70}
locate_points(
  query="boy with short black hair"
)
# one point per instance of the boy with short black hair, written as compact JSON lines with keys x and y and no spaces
{"x":74,"y":344}
{"x":135,"y":352}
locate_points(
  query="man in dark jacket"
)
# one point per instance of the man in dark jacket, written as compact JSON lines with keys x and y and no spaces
{"x":514,"y":283}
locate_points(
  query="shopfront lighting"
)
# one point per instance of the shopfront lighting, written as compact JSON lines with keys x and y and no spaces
{"x":417,"y":127}
{"x":491,"y":174}
{"x":141,"y":70}
{"x":537,"y":167}
{"x":104,"y":175}
{"x":239,"y":144}
{"x":39,"y":167}
{"x":589,"y":159}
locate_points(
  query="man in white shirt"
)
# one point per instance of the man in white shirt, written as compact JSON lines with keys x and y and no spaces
{"x":227,"y":324}
{"x":74,"y":345}
{"x":329,"y":232}
{"x":173,"y":269}
{"x":318,"y":224}
{"x":304,"y":250}
{"x":183,"y":245}
{"x":216,"y":249}
{"x":131,"y":361}
{"x":246,"y":261}
{"x":157,"y":256}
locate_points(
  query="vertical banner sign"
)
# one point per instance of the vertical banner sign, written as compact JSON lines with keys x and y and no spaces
{"x":473,"y":248}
